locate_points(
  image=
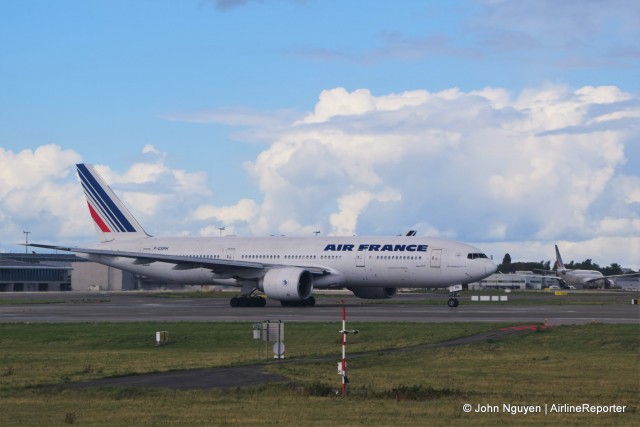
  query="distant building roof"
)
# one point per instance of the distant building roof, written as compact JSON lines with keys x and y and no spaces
{"x":7,"y":263}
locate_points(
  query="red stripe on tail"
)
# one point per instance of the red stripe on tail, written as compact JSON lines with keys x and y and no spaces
{"x":103,"y":227}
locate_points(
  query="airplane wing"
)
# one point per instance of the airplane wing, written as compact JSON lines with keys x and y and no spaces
{"x":595,"y":279}
{"x":182,"y":262}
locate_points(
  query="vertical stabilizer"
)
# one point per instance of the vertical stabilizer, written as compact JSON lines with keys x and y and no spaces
{"x":559,"y":265}
{"x":111,"y":218}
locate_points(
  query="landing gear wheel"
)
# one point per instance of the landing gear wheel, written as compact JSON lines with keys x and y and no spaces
{"x":453,"y":302}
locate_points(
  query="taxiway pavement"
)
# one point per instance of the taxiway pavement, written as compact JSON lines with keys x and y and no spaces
{"x":66,"y":307}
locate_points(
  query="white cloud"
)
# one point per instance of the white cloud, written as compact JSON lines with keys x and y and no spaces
{"x":35,"y":194}
{"x":480,"y":166}
{"x":160,"y":197}
{"x":30,"y":168}
{"x":244,"y":211}
{"x":339,"y":102}
{"x":345,"y":221}
{"x":633,"y":195}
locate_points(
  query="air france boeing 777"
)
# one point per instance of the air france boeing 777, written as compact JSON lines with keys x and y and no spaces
{"x":286,"y":269}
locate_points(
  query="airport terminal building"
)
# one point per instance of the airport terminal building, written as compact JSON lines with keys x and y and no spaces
{"x":37,"y":272}
{"x":520,"y":280}
{"x":18,"y":274}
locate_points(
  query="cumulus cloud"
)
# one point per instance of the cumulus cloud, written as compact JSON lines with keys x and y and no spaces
{"x":486,"y":165}
{"x":159,"y":195}
{"x":350,"y":206}
{"x":482,"y":165}
{"x":36,"y":195}
{"x":30,"y":168}
{"x":244,"y":211}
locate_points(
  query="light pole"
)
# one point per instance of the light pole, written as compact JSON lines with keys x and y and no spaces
{"x":26,"y":241}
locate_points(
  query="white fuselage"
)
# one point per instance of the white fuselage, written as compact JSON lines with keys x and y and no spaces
{"x":416,"y":262}
{"x":579,"y":277}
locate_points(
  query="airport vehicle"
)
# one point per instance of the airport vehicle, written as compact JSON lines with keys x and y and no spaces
{"x":583,"y":278}
{"x":286,"y":269}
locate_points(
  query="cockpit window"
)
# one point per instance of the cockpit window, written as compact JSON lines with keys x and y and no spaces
{"x":476,"y":255}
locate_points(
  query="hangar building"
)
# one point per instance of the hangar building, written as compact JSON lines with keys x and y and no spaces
{"x":38,"y":272}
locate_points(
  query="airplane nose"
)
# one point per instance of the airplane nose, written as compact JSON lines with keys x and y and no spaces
{"x":490,"y":267}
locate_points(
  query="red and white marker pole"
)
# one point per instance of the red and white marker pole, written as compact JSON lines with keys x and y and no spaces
{"x":343,"y":333}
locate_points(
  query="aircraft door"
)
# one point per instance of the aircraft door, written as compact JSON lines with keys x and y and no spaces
{"x":436,"y":258}
{"x":231,"y":253}
{"x":360,"y":258}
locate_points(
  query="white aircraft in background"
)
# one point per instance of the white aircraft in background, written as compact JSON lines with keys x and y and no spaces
{"x":286,"y":269}
{"x":583,"y":278}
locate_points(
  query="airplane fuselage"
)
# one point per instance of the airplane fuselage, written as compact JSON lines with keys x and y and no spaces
{"x":580,"y":277}
{"x":417,"y":262}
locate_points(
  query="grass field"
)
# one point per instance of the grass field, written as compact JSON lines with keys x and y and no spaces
{"x":594,"y":364}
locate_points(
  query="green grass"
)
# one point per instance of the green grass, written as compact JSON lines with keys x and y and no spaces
{"x":51,"y":353}
{"x":596,"y":364}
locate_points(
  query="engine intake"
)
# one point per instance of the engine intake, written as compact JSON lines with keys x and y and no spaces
{"x":287,"y":284}
{"x":374,"y":293}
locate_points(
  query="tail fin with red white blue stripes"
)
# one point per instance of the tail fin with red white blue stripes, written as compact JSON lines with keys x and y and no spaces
{"x":112,"y":219}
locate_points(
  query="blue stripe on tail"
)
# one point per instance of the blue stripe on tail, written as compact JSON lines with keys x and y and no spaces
{"x":103,"y":202}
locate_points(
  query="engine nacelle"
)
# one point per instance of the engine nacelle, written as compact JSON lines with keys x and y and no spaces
{"x":287,"y":284}
{"x":374,"y":293}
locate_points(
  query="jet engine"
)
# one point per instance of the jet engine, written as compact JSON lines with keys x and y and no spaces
{"x":287,"y":284}
{"x":374,"y":293}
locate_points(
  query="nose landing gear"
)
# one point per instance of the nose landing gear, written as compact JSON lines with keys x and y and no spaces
{"x":453,"y":295}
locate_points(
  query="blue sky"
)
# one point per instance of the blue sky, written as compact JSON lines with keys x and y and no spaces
{"x":509,"y":124}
